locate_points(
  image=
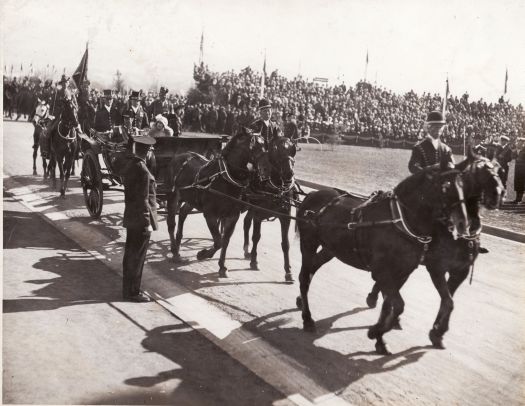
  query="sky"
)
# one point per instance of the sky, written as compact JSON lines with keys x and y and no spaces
{"x":412,"y":44}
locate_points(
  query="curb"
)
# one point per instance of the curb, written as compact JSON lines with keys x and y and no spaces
{"x":487,"y":229}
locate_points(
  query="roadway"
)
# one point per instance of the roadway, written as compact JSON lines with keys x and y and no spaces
{"x":249,"y":319}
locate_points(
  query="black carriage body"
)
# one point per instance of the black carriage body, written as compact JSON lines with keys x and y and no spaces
{"x":95,"y":177}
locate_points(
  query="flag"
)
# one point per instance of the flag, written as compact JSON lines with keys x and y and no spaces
{"x":445,"y":100}
{"x":263,"y":76}
{"x":506,"y":80}
{"x":80,"y":74}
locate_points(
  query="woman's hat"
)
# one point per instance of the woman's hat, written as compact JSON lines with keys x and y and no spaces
{"x":161,"y":119}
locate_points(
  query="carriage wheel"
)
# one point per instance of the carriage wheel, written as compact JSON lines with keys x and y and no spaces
{"x":91,"y":180}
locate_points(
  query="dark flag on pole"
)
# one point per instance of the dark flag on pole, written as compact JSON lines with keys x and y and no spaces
{"x":445,"y":100}
{"x":80,"y":74}
{"x":201,"y":53}
{"x":263,"y":76}
{"x":506,"y":80}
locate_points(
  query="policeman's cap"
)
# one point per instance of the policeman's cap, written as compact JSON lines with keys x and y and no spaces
{"x":144,"y":139}
{"x":435,"y":117}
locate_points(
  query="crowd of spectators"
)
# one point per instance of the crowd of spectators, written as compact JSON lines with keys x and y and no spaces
{"x":364,"y":110}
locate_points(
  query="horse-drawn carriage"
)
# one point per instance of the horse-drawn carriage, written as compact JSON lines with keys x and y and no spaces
{"x":97,"y":176}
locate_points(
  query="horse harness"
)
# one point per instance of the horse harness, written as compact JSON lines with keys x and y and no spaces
{"x":357,"y":222}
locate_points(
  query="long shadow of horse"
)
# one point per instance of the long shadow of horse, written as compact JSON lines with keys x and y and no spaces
{"x":331,"y":369}
{"x":78,"y":278}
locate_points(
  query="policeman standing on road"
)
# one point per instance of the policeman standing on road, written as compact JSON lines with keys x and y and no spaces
{"x":431,"y":151}
{"x":140,"y":218}
{"x":263,"y":125}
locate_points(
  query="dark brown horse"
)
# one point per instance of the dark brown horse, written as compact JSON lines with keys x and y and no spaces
{"x":275,"y":195}
{"x":64,"y":144}
{"x":210,"y":186}
{"x":386,"y":235}
{"x":457,"y":256}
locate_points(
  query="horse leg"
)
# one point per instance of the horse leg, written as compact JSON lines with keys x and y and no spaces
{"x":213,"y":225}
{"x":256,"y":237}
{"x":229,"y":225}
{"x":371,"y":299}
{"x":61,"y":169}
{"x":45,"y":167}
{"x":285,"y":245}
{"x":246,"y":227}
{"x":311,"y":262}
{"x":35,"y":149}
{"x":173,"y":205}
{"x":52,"y":170}
{"x":183,"y":213}
{"x":437,"y":274}
{"x":69,"y":163}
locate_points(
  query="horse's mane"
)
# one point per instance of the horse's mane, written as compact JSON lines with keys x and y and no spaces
{"x":232,"y":141}
{"x":411,"y":182}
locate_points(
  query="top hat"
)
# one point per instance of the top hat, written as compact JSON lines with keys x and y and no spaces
{"x":134,"y":95}
{"x":63,"y":79}
{"x":108,"y":93}
{"x":264,"y":104}
{"x":435,"y":117}
{"x":163,"y":90}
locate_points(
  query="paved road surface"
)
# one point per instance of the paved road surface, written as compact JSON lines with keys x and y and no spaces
{"x":252,"y":316}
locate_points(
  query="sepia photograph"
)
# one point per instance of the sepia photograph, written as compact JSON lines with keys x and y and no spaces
{"x":246,"y":202}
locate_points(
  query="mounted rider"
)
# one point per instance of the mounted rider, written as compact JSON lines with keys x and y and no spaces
{"x":431,"y":152}
{"x":263,"y":125}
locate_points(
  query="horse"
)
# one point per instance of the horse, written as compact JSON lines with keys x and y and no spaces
{"x":276,"y":196}
{"x":482,"y":185}
{"x":387,"y":235}
{"x":64,"y":144}
{"x":210,"y":186}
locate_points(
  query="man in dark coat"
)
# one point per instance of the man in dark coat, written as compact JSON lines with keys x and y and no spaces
{"x":160,"y":105}
{"x":519,"y":170}
{"x":291,"y":131}
{"x":431,"y":151}
{"x":140,"y":118}
{"x":176,"y":120}
{"x":108,"y":115}
{"x":503,"y":155}
{"x":140,"y":218}
{"x":268,"y":129}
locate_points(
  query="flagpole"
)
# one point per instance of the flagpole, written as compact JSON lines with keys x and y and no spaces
{"x":366,"y":64}
{"x":263,"y":76}
{"x":445,"y":99}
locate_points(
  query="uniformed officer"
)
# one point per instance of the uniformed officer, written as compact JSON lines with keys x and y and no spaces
{"x":140,"y":118}
{"x":431,"y":152}
{"x":107,"y":115}
{"x":140,"y":217}
{"x":263,"y":125}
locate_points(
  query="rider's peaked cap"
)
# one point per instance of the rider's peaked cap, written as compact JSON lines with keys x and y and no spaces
{"x":144,"y":139}
{"x":264,"y":104}
{"x":435,"y":117}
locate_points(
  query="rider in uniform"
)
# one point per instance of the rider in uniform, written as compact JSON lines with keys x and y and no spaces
{"x":431,"y":152}
{"x":263,"y":125}
{"x":140,"y":218}
{"x":503,"y":155}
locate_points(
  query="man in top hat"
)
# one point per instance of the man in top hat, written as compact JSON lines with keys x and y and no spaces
{"x":268,"y":129}
{"x":431,"y":152}
{"x":503,"y":155}
{"x":160,"y":105}
{"x":135,"y":110}
{"x":140,"y":217}
{"x":107,"y":115}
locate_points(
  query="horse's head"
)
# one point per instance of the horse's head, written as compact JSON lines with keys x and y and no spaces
{"x":70,"y":112}
{"x":282,"y":153}
{"x":482,"y":182}
{"x":440,"y":194}
{"x":246,"y":152}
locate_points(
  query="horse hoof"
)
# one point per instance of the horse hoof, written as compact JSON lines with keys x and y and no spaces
{"x":397,"y":325}
{"x":223,"y":273}
{"x":203,"y":254}
{"x":371,"y":300}
{"x":436,"y":340}
{"x":299,"y":302}
{"x":247,"y":254}
{"x":177,"y":259}
{"x":288,"y":278}
{"x":34,"y":172}
{"x":382,"y":349}
{"x":254,"y":266}
{"x":309,"y":326}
